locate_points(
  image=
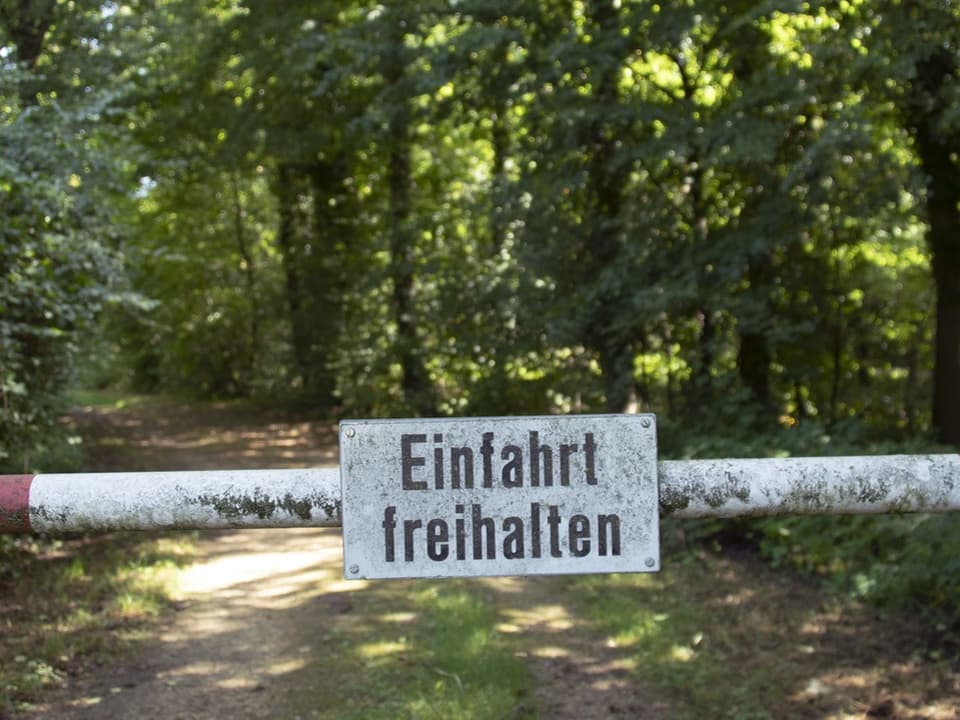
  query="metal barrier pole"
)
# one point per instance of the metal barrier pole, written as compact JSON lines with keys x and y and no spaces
{"x":85,"y":502}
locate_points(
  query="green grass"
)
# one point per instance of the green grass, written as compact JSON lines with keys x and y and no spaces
{"x":65,"y":604}
{"x":686,"y":650}
{"x":421,"y":650}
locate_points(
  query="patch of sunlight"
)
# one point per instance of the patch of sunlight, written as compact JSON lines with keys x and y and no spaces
{"x":88,"y":701}
{"x":237,"y":683}
{"x":553,"y":617}
{"x":814,"y":627}
{"x":399,"y":617}
{"x":131,"y":605}
{"x":345,"y":585}
{"x":506,"y":584}
{"x":177,"y":546}
{"x":225,"y":571}
{"x":204,"y":442}
{"x":814,"y":688}
{"x":509,"y":628}
{"x":644,"y":626}
{"x":611,"y":675}
{"x":285,"y":667}
{"x":939,"y":711}
{"x":638,"y":580}
{"x":862,"y":679}
{"x":550,"y":651}
{"x":738,"y":598}
{"x":628,"y":664}
{"x":629,"y":638}
{"x":381,"y":648}
{"x":828,"y":684}
{"x":682,"y":653}
{"x":293,"y":588}
{"x":934,"y":711}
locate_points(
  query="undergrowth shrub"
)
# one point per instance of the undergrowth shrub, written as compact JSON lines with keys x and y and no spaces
{"x":910,"y":560}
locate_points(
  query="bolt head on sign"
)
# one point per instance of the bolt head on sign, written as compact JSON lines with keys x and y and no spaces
{"x":464,"y":497}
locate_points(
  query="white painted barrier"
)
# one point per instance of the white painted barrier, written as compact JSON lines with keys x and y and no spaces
{"x":87,"y":502}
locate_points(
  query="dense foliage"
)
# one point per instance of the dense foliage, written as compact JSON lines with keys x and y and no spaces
{"x":63,"y":206}
{"x":740,"y":215}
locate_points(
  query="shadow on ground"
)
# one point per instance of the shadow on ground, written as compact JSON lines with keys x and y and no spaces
{"x":267,"y":627}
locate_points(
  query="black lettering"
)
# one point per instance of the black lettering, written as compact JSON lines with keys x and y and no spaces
{"x":408,"y":462}
{"x":486,"y":450}
{"x":553,"y":520}
{"x":589,"y":448}
{"x":611,"y":523}
{"x":465,"y":455}
{"x":536,"y":452}
{"x":389,"y":524}
{"x":438,"y":468}
{"x":565,"y":452}
{"x":408,"y":527}
{"x":579,"y":535}
{"x":513,"y":542}
{"x":535,"y":530}
{"x":481,"y":523}
{"x":438,"y":536}
{"x":514,"y":467}
{"x":461,"y":534}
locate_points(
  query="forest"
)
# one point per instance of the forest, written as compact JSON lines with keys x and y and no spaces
{"x":742,"y":216}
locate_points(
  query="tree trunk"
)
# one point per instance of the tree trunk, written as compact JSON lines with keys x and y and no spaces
{"x":703,"y":389}
{"x":945,"y":246}
{"x":500,"y":139}
{"x":616,"y":364}
{"x":307,"y":240}
{"x":415,"y":382}
{"x":286,"y":193}
{"x":753,"y":363}
{"x":754,"y":356}
{"x":613,"y":344}
{"x":925,"y":105}
{"x":837,"y":344}
{"x":249,"y":273}
{"x":27,"y":26}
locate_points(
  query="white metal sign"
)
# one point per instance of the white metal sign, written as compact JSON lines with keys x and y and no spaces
{"x":499,"y":496}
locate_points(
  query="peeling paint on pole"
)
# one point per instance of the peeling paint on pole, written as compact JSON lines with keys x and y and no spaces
{"x":810,"y":486}
{"x":289,"y":498}
{"x":218,"y":499}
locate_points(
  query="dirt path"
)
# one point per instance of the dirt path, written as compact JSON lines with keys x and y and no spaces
{"x":258,"y":607}
{"x":267,"y":628}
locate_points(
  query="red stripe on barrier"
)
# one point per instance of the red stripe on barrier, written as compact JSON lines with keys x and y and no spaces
{"x":15,"y":503}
